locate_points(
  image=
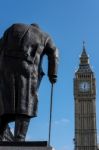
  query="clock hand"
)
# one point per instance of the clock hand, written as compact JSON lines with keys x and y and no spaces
{"x":84,"y":85}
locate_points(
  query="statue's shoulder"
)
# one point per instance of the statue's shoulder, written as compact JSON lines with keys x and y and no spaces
{"x":19,"y":27}
{"x":17,"y":30}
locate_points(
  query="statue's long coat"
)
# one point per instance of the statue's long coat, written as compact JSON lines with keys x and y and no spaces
{"x":22,"y":48}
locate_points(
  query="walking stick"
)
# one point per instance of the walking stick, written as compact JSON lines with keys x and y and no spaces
{"x":50,"y":121}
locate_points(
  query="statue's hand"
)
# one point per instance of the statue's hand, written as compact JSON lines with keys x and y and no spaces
{"x":53,"y":78}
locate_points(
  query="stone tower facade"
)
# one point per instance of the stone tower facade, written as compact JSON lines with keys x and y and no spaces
{"x":85,"y":105}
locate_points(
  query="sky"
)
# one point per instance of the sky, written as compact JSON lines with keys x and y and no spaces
{"x":69,"y":23}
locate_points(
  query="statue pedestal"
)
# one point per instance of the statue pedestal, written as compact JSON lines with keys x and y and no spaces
{"x":42,"y":145}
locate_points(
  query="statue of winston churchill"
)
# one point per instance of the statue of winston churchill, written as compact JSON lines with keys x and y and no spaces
{"x":22,"y":48}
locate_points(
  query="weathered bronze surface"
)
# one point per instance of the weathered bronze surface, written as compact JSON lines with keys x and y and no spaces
{"x":22,"y":48}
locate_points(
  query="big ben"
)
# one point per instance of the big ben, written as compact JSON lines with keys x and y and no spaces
{"x":85,"y":105}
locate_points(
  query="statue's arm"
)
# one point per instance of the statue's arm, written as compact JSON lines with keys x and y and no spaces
{"x":1,"y":40}
{"x":53,"y":59}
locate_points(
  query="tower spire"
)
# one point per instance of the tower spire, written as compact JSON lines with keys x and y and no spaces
{"x":84,"y":57}
{"x":83,"y":44}
{"x":84,"y":64}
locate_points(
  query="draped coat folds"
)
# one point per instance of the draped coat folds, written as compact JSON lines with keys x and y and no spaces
{"x":22,"y":48}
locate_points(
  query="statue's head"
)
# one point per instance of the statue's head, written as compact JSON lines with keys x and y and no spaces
{"x":35,"y":25}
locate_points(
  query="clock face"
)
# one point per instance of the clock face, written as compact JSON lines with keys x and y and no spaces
{"x":84,"y":86}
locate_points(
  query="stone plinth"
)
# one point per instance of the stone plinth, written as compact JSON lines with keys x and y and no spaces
{"x":42,"y":145}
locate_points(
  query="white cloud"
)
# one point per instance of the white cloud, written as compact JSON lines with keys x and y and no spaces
{"x":64,"y":148}
{"x":62,"y":121}
{"x":53,"y":149}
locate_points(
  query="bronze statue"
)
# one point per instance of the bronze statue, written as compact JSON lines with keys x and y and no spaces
{"x":22,"y":48}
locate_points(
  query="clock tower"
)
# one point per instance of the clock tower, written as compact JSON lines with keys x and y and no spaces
{"x":85,"y":105}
